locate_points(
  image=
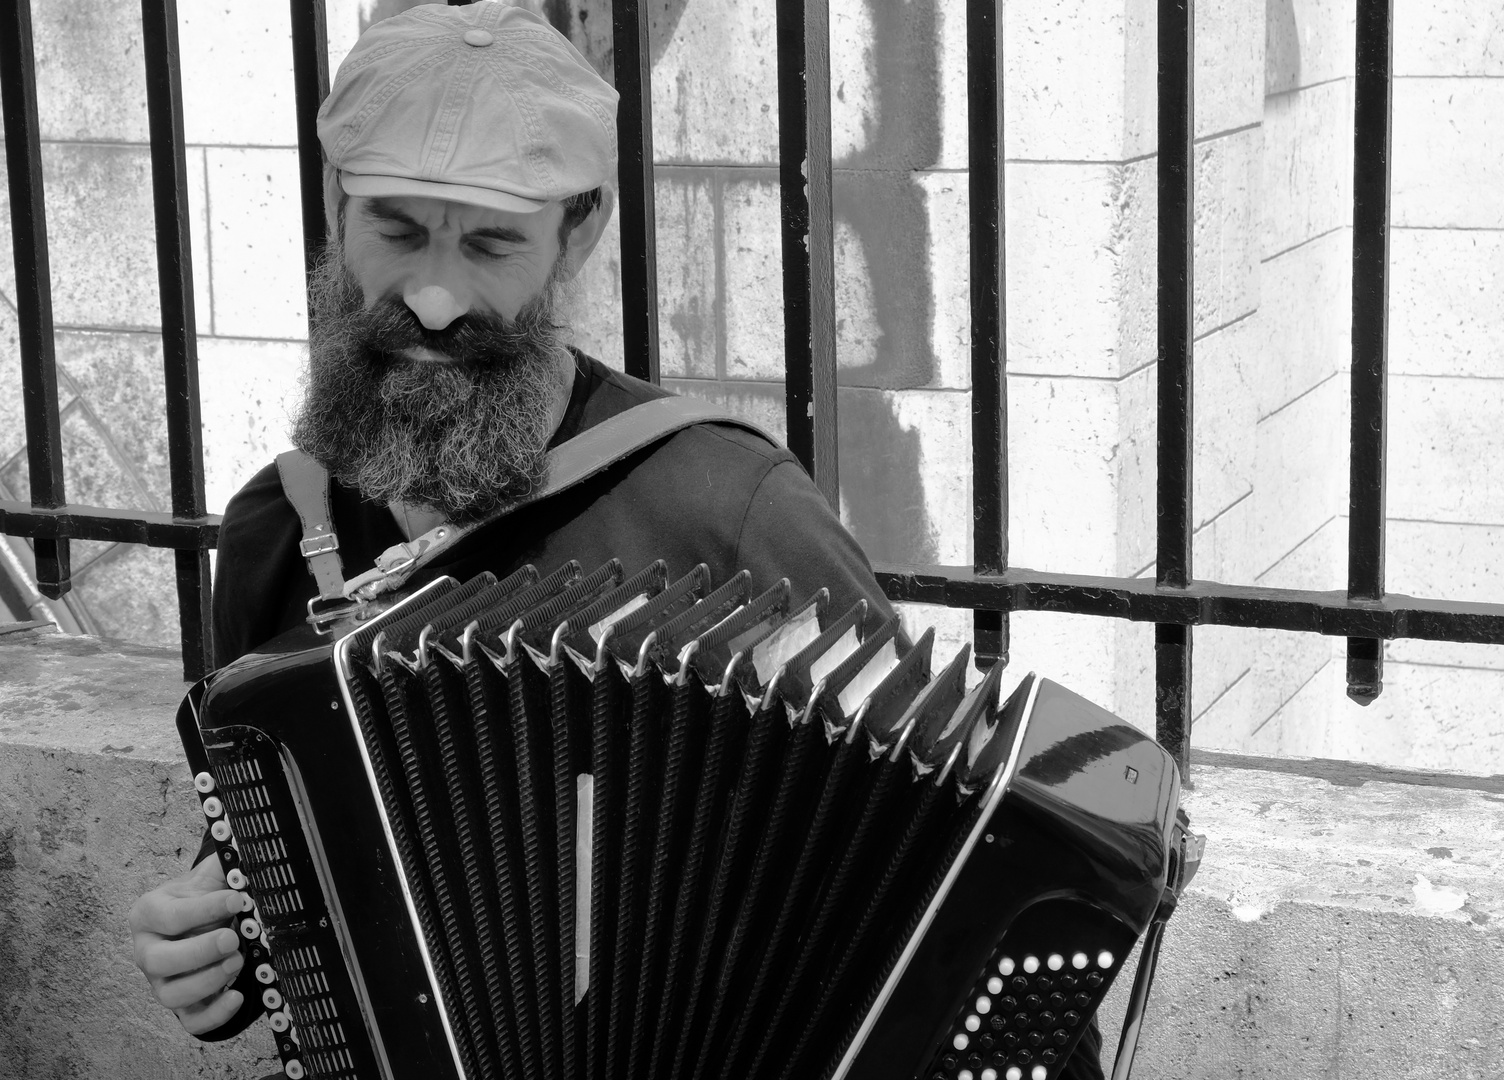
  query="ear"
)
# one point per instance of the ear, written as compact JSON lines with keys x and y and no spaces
{"x":332,"y":195}
{"x":584,"y":236}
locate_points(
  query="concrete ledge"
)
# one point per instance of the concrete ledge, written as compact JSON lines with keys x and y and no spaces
{"x":1344,"y":924}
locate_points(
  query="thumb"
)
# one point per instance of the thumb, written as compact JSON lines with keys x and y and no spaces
{"x":208,"y":875}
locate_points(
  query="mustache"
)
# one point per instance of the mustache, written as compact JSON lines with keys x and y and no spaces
{"x":390,"y":327}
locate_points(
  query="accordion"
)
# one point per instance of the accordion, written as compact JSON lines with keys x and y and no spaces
{"x":611,"y":827}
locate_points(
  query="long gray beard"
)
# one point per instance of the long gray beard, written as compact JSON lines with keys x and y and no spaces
{"x":462,"y":438}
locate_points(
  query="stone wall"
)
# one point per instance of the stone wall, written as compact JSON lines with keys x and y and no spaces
{"x":1273,"y":238}
{"x":1345,"y":921}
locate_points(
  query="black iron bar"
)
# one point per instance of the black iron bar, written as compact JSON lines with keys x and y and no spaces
{"x":636,"y":209}
{"x":804,"y":181}
{"x":154,"y":529}
{"x":1172,"y":644}
{"x":185,"y":449}
{"x":1201,"y":603}
{"x":310,"y":80}
{"x":28,"y":214}
{"x":1370,"y":334}
{"x":989,"y":354}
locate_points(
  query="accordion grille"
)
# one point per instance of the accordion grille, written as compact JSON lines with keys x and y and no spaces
{"x":258,"y":832}
{"x":320,"y":1031}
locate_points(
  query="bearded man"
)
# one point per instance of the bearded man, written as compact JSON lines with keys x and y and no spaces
{"x":471,"y":152}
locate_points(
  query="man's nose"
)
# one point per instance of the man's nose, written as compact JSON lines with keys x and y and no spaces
{"x":435,"y":306}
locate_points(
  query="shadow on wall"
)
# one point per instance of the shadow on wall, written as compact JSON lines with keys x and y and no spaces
{"x":1281,"y":47}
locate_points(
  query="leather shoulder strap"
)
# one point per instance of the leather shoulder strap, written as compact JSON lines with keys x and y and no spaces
{"x":569,"y":463}
{"x":306,"y":484}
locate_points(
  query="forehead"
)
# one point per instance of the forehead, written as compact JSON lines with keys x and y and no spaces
{"x":443,"y":215}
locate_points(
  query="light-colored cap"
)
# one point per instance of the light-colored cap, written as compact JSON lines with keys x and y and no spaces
{"x":484,"y":104}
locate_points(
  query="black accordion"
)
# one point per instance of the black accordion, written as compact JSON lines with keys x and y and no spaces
{"x":623,"y":828}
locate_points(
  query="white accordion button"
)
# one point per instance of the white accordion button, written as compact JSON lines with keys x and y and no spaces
{"x":220,"y":830}
{"x":973,"y":1022}
{"x":246,"y":903}
{"x":964,"y":1074}
{"x":961,"y":1041}
{"x":1079,"y":961}
{"x":271,"y":999}
{"x":212,"y":807}
{"x":1031,"y":964}
{"x":989,"y":1074}
{"x":1005,"y":966}
{"x":279,"y":1021}
{"x":249,"y":930}
{"x":293,"y":1069}
{"x":1055,"y":962}
{"x":1014,"y":1073}
{"x":204,"y":782}
{"x":984,"y":1004}
{"x":265,"y":974}
{"x":1104,"y":959}
{"x":235,"y":879}
{"x":994,"y":985}
{"x":1040,"y":1072}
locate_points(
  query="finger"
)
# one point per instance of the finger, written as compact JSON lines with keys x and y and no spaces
{"x":186,"y":991}
{"x":163,"y":959}
{"x":174,"y":916}
{"x":211,"y":1014}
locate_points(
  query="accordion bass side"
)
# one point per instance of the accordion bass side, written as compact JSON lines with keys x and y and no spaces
{"x":608,"y":827}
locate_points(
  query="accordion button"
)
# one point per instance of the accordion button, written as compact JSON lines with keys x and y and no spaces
{"x":1011,"y":1041}
{"x":1021,"y":1019}
{"x":204,"y":782}
{"x":1068,"y":981}
{"x":1049,"y":1057}
{"x":974,"y":1060}
{"x":1044,"y":982}
{"x":989,"y":1074}
{"x":279,"y":1021}
{"x":1005,"y":966}
{"x":1031,"y":964}
{"x":271,"y":998}
{"x":235,"y":879}
{"x":997,"y":1021}
{"x":220,"y":830}
{"x":964,"y":1074}
{"x":213,"y":807}
{"x":1078,"y":961}
{"x":1055,"y":962}
{"x":973,"y":1022}
{"x":1094,"y":979}
{"x":1035,"y":1039}
{"x":265,"y":974}
{"x":1104,"y":959}
{"x":1033,"y":1002}
{"x":949,"y":1062}
{"x":961,"y":1041}
{"x":1040,"y":1072}
{"x":1083,"y":999}
{"x":1047,"y":1018}
{"x":984,"y":1004}
{"x":293,"y":1069}
{"x":1024,"y":1057}
{"x":987,"y":1042}
{"x":994,"y":985}
{"x":1007,"y":1004}
{"x":1057,"y":1000}
{"x":249,"y":929}
{"x":1014,"y":1073}
{"x":1020,"y":983}
{"x":1062,"y":1037}
{"x":1072,"y":1018}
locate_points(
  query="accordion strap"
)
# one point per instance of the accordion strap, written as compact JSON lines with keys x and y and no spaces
{"x":306,"y":484}
{"x":569,"y":463}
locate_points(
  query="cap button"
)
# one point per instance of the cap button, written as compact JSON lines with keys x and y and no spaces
{"x":479,"y":38}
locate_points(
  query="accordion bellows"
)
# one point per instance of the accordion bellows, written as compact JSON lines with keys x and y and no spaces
{"x":589,"y":826}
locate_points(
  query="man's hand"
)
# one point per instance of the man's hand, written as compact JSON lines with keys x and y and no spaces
{"x":186,"y":949}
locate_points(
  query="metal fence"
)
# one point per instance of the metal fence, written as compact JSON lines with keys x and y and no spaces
{"x":1174,"y":601}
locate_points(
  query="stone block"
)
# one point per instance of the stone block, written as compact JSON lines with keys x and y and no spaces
{"x":237,"y":74}
{"x":1230,"y":44}
{"x":947,"y":207}
{"x":752,"y":278}
{"x":256,"y":230}
{"x":1252,"y":717}
{"x":950,"y":87}
{"x":1449,"y":561}
{"x":90,"y":72}
{"x":715,"y":86}
{"x":249,"y":394}
{"x":688,"y":280}
{"x":93,"y":191}
{"x":763,"y":403}
{"x":1080,"y":269}
{"x":1448,"y":153}
{"x":1444,"y":315}
{"x":1224,"y":419}
{"x":130,"y":595}
{"x":1226,"y":228}
{"x":1304,"y":319}
{"x":1448,"y":38}
{"x":1307,"y":42}
{"x":1078,"y":651}
{"x":1444,"y":443}
{"x":1307,"y":181}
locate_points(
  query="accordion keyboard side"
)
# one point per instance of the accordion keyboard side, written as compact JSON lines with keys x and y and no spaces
{"x":1066,"y":873}
{"x":342,"y":955}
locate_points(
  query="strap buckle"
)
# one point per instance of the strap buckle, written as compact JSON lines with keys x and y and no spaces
{"x":324,"y":612}
{"x":318,"y":545}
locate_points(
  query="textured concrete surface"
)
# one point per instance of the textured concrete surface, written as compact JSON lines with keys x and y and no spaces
{"x":1346,"y":922}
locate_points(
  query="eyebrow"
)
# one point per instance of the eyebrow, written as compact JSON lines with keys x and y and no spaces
{"x":385,"y":211}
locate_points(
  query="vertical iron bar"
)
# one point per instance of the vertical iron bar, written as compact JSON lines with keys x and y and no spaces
{"x":1365,"y":523}
{"x":23,"y":156}
{"x":989,"y":380}
{"x":804,"y":180}
{"x":637,"y":213}
{"x":310,"y":80}
{"x":1172,"y":644}
{"x":185,"y":448}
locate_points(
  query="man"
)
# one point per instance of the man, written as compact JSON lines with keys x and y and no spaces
{"x":470,"y":157}
{"x":471,"y":152}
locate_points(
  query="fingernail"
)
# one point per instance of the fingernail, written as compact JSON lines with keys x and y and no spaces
{"x":229,"y":943}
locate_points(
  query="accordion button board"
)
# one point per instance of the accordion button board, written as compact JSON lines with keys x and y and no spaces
{"x":627,"y":828}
